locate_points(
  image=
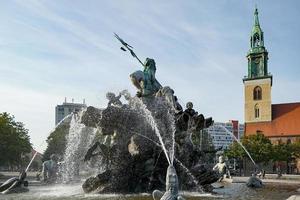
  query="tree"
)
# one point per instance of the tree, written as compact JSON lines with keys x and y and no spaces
{"x":286,"y":152}
{"x":259,"y":147}
{"x":296,"y":149}
{"x":282,"y":152}
{"x":235,"y":151}
{"x":57,"y":141}
{"x":14,"y":141}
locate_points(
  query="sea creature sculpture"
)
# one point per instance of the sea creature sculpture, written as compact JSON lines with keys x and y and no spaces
{"x":15,"y":185}
{"x":171,"y":187}
{"x":254,"y":181}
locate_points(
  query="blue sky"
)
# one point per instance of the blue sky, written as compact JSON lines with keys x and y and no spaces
{"x":65,"y":48}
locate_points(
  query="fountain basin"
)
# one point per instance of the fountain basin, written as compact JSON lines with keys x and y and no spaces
{"x":238,"y":191}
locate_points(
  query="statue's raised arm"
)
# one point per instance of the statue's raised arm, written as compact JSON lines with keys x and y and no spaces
{"x":145,"y":80}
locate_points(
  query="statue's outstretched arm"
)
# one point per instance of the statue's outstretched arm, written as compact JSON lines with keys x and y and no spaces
{"x":216,"y":167}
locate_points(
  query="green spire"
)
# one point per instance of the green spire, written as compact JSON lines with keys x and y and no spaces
{"x":256,"y":21}
{"x":257,"y":55}
{"x":257,"y":36}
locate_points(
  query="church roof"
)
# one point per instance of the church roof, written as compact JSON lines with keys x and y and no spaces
{"x":285,"y":122}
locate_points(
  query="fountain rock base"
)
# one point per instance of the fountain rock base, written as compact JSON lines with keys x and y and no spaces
{"x":131,"y":154}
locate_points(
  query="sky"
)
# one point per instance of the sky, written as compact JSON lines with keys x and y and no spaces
{"x":54,"y":49}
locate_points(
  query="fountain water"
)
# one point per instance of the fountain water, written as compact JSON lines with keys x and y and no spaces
{"x":186,"y":170}
{"x":139,"y":105}
{"x":247,"y":152}
{"x":78,"y":140}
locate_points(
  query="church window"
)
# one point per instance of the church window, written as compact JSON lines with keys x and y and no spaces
{"x":257,"y":94}
{"x":256,"y":110}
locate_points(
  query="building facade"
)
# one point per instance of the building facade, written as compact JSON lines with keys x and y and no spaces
{"x":63,"y":110}
{"x":279,"y":122}
{"x":258,"y":82}
{"x":220,"y":133}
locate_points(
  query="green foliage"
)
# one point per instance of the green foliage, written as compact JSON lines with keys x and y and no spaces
{"x":259,"y":147}
{"x":296,"y":149}
{"x":286,"y":151}
{"x":235,"y":151}
{"x":282,"y":152}
{"x":14,"y":141}
{"x":262,"y":150}
{"x":57,"y":141}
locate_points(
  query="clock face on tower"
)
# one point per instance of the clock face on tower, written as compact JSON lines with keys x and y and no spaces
{"x":257,"y":68}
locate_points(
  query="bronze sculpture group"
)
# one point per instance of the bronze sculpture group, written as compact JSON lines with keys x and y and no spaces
{"x":134,"y":159}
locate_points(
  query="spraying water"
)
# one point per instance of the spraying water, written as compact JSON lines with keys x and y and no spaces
{"x":229,"y":132}
{"x":138,"y":104}
{"x":187,"y":171}
{"x":171,"y":119}
{"x":31,"y":161}
{"x":78,"y":141}
{"x":34,"y":155}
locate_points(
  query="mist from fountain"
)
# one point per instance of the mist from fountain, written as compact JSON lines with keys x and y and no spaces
{"x":247,"y":152}
{"x":138,"y":104}
{"x":79,"y":139}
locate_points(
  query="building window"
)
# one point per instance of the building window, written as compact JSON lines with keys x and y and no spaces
{"x":257,"y":93}
{"x":256,"y":111}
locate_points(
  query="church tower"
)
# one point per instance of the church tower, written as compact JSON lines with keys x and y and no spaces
{"x":258,"y":82}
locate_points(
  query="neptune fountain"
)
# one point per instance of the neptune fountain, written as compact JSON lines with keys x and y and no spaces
{"x":138,"y":144}
{"x":132,"y":136}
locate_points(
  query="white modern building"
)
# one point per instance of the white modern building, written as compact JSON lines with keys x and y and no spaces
{"x":221,"y":133}
{"x":61,"y":111}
